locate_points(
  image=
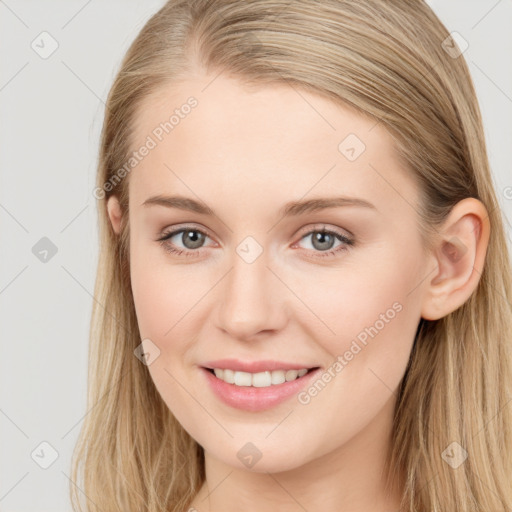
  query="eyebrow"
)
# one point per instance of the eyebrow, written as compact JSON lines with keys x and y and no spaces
{"x":291,"y":209}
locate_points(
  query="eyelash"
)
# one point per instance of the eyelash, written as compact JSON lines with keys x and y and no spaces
{"x":347,"y":243}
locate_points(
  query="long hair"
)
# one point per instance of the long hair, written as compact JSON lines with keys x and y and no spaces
{"x":395,"y":62}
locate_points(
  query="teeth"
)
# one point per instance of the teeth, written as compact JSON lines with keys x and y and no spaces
{"x":258,"y":380}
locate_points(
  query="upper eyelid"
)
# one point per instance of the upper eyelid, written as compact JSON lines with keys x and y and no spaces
{"x":322,"y":226}
{"x":318,"y":226}
{"x":167,"y":233}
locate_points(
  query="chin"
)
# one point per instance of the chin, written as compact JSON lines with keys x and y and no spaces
{"x":257,"y":458}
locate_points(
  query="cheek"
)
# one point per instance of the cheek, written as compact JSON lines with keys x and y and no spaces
{"x":163,"y":291}
{"x":365,"y":320}
{"x":164,"y":297}
{"x":151,"y":298}
{"x":367,"y":313}
{"x":171,"y":307}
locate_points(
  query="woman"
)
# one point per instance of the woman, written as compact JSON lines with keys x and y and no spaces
{"x":303,"y":298}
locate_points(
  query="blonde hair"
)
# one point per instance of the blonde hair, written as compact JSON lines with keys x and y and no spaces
{"x":390,"y":61}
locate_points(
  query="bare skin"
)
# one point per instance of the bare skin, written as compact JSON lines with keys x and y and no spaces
{"x":245,"y":153}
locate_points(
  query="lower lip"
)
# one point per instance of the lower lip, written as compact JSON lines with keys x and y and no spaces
{"x":250,"y":398}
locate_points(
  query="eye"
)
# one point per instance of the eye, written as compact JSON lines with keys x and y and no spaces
{"x":323,"y":240}
{"x":192,"y":238}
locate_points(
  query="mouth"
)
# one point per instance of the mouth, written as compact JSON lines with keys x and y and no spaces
{"x":256,"y":392}
{"x":267,"y":378}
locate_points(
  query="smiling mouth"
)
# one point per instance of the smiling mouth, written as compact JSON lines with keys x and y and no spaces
{"x":260,"y":379}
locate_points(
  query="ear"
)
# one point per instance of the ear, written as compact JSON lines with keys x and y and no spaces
{"x":114,"y":213}
{"x":459,"y":257}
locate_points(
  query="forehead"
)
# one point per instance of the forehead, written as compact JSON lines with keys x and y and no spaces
{"x":218,"y":139}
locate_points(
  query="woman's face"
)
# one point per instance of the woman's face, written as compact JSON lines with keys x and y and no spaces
{"x":265,"y":285}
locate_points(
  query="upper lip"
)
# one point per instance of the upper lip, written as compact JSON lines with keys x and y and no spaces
{"x":254,"y":366}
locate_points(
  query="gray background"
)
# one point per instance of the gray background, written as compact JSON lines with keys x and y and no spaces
{"x":51,"y":115}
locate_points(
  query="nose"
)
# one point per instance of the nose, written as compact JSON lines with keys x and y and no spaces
{"x":252,"y":299}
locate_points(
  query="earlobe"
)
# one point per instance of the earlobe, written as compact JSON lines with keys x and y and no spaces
{"x":114,"y":213}
{"x":459,"y":257}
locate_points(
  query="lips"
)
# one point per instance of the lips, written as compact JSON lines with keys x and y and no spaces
{"x":255,"y":399}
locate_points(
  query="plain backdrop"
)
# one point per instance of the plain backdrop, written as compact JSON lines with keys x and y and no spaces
{"x":51,"y":115}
